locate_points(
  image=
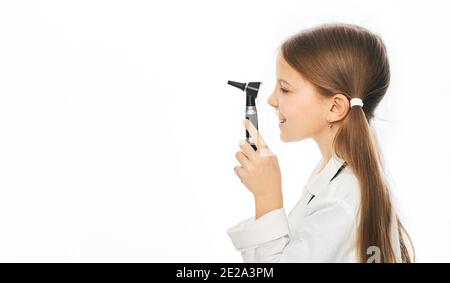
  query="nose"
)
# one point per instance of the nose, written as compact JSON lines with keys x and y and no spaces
{"x":273,"y":101}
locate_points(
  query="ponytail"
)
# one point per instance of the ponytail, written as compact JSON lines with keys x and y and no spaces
{"x":356,"y":144}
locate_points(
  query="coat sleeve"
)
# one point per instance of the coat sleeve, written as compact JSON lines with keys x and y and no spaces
{"x":325,"y":235}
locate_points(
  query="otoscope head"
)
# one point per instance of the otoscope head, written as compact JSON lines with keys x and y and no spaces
{"x":251,"y":89}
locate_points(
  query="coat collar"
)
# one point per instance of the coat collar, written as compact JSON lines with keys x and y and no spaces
{"x":318,"y":181}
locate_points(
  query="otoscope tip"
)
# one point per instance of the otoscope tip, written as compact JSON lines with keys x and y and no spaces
{"x":238,"y":85}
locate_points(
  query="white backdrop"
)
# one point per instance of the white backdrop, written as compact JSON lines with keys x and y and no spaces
{"x":118,"y":130}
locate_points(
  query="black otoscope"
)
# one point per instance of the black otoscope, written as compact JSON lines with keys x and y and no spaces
{"x":251,"y":89}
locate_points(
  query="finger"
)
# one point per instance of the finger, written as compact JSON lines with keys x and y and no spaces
{"x":243,"y":160}
{"x":256,"y":136}
{"x":240,"y":171}
{"x":265,"y":151}
{"x":248,"y":150}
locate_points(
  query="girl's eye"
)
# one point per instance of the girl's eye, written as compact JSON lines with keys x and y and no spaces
{"x":283,"y":90}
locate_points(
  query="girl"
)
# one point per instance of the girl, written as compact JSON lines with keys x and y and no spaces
{"x":330,"y":80}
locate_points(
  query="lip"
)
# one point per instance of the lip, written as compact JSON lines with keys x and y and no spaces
{"x":281,"y":119}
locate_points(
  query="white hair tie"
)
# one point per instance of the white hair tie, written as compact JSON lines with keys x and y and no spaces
{"x":356,"y":102}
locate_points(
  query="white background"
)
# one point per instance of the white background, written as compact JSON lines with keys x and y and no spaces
{"x":118,"y":130}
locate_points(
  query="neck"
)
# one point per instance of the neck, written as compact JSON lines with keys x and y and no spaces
{"x":324,"y":141}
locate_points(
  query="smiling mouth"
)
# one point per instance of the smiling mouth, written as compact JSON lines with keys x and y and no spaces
{"x":281,"y":118}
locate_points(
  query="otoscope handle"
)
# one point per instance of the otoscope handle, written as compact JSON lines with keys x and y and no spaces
{"x":252,"y":115}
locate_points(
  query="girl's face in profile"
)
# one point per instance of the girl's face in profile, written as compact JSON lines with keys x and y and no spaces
{"x":301,"y":109}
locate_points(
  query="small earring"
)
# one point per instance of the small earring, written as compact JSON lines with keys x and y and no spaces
{"x":330,"y":125}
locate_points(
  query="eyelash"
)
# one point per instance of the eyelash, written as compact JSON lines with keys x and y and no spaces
{"x":283,"y":90}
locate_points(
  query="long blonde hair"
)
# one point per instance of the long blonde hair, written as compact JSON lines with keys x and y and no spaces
{"x":349,"y":59}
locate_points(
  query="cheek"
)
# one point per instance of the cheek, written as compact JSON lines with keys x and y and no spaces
{"x":295,"y":108}
{"x":304,"y":117}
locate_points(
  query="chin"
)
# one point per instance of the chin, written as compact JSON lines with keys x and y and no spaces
{"x":284,"y":138}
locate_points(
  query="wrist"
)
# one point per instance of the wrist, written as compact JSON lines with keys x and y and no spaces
{"x":267,"y":203}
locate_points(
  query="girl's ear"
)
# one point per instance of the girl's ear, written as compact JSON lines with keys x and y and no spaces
{"x":338,"y":107}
